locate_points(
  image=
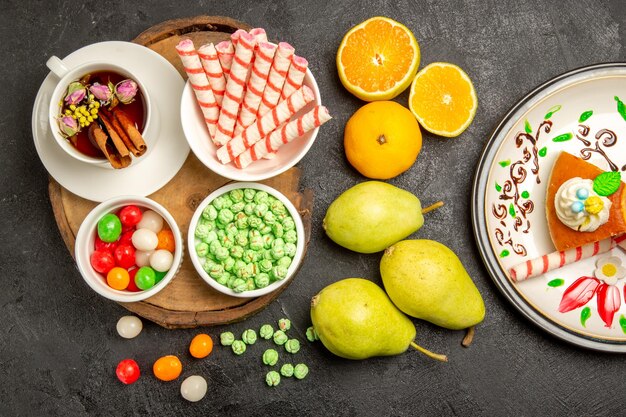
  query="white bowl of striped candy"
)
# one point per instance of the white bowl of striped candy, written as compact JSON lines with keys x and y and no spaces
{"x":274,"y":142}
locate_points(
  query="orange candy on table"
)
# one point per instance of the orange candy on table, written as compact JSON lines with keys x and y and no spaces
{"x":166,"y":240}
{"x":118,"y":278}
{"x":201,"y":346}
{"x":167,"y":368}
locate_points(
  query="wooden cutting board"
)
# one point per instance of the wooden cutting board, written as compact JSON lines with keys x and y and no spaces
{"x":187,"y":301}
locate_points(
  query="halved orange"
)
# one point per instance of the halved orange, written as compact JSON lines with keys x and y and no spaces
{"x":443,"y":99}
{"x":377,"y":59}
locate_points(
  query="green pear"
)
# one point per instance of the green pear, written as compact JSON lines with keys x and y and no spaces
{"x":371,"y":216}
{"x":355,"y":319}
{"x":426,"y":280}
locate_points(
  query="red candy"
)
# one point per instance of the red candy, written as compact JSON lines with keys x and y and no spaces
{"x":102,"y":261}
{"x":132,"y":287}
{"x":127,"y":237}
{"x":124,"y":255}
{"x":127,"y":371}
{"x":130,"y":215}
{"x":106,"y":246}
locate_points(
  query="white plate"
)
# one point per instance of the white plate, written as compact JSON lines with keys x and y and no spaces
{"x":562,"y":109}
{"x":158,"y":167}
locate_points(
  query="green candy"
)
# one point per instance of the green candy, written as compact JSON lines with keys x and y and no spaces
{"x":285,"y":261}
{"x":223,"y":279}
{"x":267,"y":241}
{"x":250,"y":284}
{"x":280,"y":338}
{"x":209,"y":213}
{"x":261,"y":197}
{"x":256,"y":243}
{"x":266,"y":331}
{"x":290,"y":249}
{"x":238,"y":347}
{"x":278,"y":272}
{"x":220,"y":202}
{"x":265,"y":265}
{"x":254,"y":222}
{"x":269,"y":218}
{"x":253,"y":234}
{"x":249,"y":337}
{"x":248,"y":194}
{"x":292,"y":346}
{"x":202,"y":249}
{"x":158,"y":276}
{"x":270,"y":357}
{"x":286,"y":370}
{"x":262,"y":280}
{"x":284,"y":324}
{"x":236,"y":195}
{"x":236,"y":252}
{"x":216,"y":271}
{"x":289,"y":224}
{"x":231,"y":229}
{"x":221,"y":234}
{"x":260,"y":210}
{"x":311,"y":334}
{"x":272,"y":378}
{"x":301,"y":371}
{"x":228,"y":241}
{"x":202,"y":230}
{"x":229,"y":263}
{"x":227,"y":338}
{"x":145,"y":278}
{"x":278,"y":230}
{"x":278,"y":242}
{"x":221,"y":253}
{"x":267,"y":254}
{"x":250,"y":256}
{"x":210,"y":237}
{"x":241,"y":240}
{"x":242,"y":222}
{"x":249,"y":209}
{"x":109,"y":228}
{"x":240,"y":285}
{"x":214,"y":246}
{"x":238,"y":208}
{"x":290,"y":236}
{"x":231,"y":280}
{"x":208,"y":265}
{"x":266,"y":229}
{"x":278,"y":207}
{"x":278,"y":252}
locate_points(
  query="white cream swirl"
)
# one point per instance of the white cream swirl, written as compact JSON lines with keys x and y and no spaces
{"x":582,"y":221}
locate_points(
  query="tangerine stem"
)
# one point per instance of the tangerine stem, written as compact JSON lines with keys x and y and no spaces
{"x":432,"y":355}
{"x":469,"y":336}
{"x":432,"y":207}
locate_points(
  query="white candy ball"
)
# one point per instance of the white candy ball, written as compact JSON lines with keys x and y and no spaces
{"x":161,"y":260}
{"x":142,"y":257}
{"x":151,"y":220}
{"x":193,"y":388}
{"x":129,"y":327}
{"x":145,"y":239}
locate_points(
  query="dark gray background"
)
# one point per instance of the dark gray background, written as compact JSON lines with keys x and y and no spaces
{"x":58,"y":344}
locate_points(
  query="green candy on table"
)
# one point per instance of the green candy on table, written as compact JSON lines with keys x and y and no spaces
{"x":240,"y":285}
{"x":270,"y":357}
{"x":236,"y":195}
{"x":261,"y":197}
{"x":272,"y":378}
{"x":248,"y":194}
{"x":285,"y":261}
{"x":301,"y":371}
{"x":286,"y":370}
{"x":249,"y":337}
{"x":284,"y":324}
{"x":202,"y":249}
{"x":227,"y":338}
{"x":280,"y":338}
{"x":238,"y":347}
{"x":311,"y":334}
{"x":262,"y":280}
{"x":292,"y":346}
{"x":266,"y":331}
{"x":290,"y":236}
{"x":209,"y":213}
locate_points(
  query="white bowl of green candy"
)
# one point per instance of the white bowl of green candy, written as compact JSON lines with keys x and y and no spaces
{"x":246,"y":239}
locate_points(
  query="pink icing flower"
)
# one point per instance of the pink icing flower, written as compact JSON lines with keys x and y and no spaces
{"x":75,"y":93}
{"x":609,"y":301}
{"x":126,"y":91}
{"x":101,"y":92}
{"x":579,"y":293}
{"x":68,"y":126}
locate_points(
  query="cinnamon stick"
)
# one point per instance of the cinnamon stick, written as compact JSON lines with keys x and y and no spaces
{"x":120,"y":131}
{"x":129,"y":127}
{"x":98,"y":136}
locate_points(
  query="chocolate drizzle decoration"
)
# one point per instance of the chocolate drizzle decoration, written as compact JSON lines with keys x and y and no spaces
{"x":603,"y":138}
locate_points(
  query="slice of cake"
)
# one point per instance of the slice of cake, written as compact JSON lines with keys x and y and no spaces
{"x":576,"y":213}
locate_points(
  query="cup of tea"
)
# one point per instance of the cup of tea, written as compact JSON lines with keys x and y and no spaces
{"x":101,"y":113}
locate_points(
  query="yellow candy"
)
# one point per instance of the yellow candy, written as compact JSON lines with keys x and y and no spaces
{"x":594,"y":205}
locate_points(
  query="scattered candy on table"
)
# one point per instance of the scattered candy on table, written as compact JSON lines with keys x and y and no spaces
{"x":270,"y":357}
{"x":300,"y":371}
{"x":127,"y":371}
{"x":227,"y":338}
{"x":292,"y":346}
{"x":272,"y":378}
{"x":248,"y":337}
{"x":167,"y":368}
{"x":133,"y":249}
{"x":266,"y":332}
{"x":238,"y":347}
{"x":193,"y":388}
{"x":201,"y":346}
{"x":284,"y":324}
{"x":280,"y":338}
{"x":129,"y":327}
{"x":286,"y":370}
{"x":311,"y":334}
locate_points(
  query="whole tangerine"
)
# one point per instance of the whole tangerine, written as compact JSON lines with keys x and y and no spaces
{"x":382,"y":139}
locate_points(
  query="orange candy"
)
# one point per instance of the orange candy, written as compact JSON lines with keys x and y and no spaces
{"x":166,"y":240}
{"x":118,"y":278}
{"x":167,"y":368}
{"x":201,"y":346}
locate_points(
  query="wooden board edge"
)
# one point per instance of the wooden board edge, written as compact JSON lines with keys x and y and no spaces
{"x":54,"y":193}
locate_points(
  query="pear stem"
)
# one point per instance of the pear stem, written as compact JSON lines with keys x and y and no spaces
{"x":432,"y":207}
{"x":436,"y":356}
{"x":469,"y":336}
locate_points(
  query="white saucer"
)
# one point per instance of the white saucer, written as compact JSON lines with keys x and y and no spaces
{"x":164,"y":161}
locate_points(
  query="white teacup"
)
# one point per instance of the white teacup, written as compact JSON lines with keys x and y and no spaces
{"x":67,"y":76}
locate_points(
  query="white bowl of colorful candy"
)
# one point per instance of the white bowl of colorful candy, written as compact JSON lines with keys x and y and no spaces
{"x":128,"y":248}
{"x":246,"y":239}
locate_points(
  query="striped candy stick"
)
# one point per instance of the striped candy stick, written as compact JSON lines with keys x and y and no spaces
{"x":295,"y":76}
{"x":234,"y":88}
{"x":234,"y":37}
{"x":538,"y":266}
{"x":265,"y":124}
{"x":213,"y":71}
{"x":276,"y":78}
{"x":283,"y":135}
{"x":225,"y":53}
{"x":256,"y":84}
{"x":200,"y":84}
{"x":259,"y":34}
